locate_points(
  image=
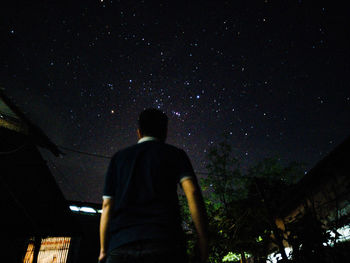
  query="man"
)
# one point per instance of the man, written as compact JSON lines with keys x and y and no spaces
{"x":141,"y":219}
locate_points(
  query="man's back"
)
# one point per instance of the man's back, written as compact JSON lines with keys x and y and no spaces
{"x":141,"y":217}
{"x":142,"y":179}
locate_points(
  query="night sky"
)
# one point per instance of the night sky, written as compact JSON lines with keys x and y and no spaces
{"x":271,"y":75}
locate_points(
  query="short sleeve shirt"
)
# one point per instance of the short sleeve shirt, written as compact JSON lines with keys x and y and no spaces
{"x":142,"y":180}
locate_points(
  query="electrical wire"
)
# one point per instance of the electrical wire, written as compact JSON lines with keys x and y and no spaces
{"x":14,"y":150}
{"x":85,"y":153}
{"x":109,"y":157}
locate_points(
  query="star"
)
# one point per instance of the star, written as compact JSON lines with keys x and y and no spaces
{"x":217,"y":72}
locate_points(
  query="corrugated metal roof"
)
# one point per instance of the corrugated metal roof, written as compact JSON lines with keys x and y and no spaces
{"x":14,"y":119}
{"x":5,"y":111}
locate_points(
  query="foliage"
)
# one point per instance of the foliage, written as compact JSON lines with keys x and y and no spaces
{"x":308,"y":239}
{"x":224,"y":176}
{"x":240,"y":206}
{"x":311,"y":240}
{"x":233,"y":257}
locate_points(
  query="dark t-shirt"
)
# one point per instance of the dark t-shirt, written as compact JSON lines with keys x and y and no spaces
{"x":142,"y":180}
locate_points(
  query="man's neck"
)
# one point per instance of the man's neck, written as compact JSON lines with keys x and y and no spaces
{"x":147,"y":138}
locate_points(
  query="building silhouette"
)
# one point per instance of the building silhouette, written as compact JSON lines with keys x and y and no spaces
{"x":38,"y":224}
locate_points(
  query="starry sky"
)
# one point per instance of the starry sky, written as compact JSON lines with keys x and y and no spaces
{"x":273,"y":76}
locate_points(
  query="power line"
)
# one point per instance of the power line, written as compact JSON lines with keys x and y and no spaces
{"x":12,"y":151}
{"x":109,"y":157}
{"x":85,"y":153}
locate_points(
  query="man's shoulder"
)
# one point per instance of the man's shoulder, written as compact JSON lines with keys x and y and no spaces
{"x":125,"y":150}
{"x":161,"y":146}
{"x":172,"y":147}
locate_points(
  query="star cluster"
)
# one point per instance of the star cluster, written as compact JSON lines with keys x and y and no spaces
{"x":269,"y":75}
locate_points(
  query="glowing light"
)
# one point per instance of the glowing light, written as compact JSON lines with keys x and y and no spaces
{"x":87,"y":210}
{"x":343,"y":235}
{"x":84,"y":209}
{"x":74,"y":208}
{"x":275,"y":257}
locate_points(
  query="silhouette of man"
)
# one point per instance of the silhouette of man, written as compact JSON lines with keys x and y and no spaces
{"x":141,"y":219}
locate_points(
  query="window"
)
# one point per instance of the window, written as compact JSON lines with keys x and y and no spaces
{"x":52,"y":250}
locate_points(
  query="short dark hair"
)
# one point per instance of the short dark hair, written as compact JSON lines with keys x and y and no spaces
{"x":153,"y":122}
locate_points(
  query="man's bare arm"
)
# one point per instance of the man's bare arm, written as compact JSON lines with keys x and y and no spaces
{"x":104,"y":223}
{"x":198,"y":214}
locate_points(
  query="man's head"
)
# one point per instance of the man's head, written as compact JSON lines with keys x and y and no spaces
{"x":153,"y":122}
